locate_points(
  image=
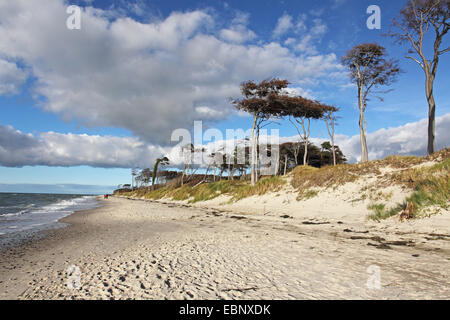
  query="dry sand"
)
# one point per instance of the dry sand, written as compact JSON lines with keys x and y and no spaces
{"x":148,"y":250}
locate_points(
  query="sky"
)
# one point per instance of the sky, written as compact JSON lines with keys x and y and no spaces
{"x":83,"y":106}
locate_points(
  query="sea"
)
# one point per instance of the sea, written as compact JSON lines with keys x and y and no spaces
{"x":25,"y":212}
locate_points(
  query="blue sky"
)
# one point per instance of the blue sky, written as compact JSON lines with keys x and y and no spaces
{"x":76,"y":84}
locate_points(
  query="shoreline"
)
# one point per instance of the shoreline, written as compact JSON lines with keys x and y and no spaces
{"x":149,"y":250}
{"x":14,"y":239}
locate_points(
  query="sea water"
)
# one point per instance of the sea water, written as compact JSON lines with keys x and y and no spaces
{"x":21,"y":212}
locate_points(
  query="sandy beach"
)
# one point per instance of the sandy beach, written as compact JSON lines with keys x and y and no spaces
{"x":132,"y":249}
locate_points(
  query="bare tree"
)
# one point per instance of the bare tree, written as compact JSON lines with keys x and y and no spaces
{"x":416,"y":18}
{"x":369,"y":69}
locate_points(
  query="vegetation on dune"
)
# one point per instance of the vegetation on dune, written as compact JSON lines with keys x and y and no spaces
{"x":380,"y":212}
{"x":208,"y":191}
{"x":430,"y":184}
{"x":330,"y":176}
{"x":306,"y":177}
{"x":431,"y":187}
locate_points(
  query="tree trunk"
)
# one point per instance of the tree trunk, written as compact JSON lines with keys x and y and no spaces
{"x":285,"y":164}
{"x":305,"y":155}
{"x":362,"y":126}
{"x":332,"y":141}
{"x":334,"y":155}
{"x":253,"y":156}
{"x":306,"y":133}
{"x":362,"y":132}
{"x":431,"y":114}
{"x":296,"y":151}
{"x":257,"y":169}
{"x":231,"y":170}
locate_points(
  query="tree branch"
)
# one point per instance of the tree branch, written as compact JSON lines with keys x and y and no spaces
{"x":444,"y":51}
{"x":420,"y":64}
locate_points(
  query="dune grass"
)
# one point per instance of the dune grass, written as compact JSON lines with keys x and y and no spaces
{"x":208,"y":191}
{"x":430,"y":185}
{"x":306,"y":177}
{"x":380,"y":212}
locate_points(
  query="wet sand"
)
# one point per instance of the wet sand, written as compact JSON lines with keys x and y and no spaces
{"x":130,"y":249}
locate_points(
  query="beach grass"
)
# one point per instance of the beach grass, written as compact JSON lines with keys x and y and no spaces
{"x":236,"y":189}
{"x":430,"y":185}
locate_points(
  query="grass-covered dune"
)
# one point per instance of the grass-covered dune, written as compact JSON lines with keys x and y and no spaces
{"x":427,"y":178}
{"x":422,"y":184}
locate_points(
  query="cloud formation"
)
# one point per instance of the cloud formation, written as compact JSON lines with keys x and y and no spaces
{"x":55,"y":149}
{"x":18,"y":149}
{"x":307,"y":39}
{"x":284,"y":24}
{"x":11,"y":77}
{"x":409,"y":139}
{"x":147,"y":77}
{"x":238,"y":31}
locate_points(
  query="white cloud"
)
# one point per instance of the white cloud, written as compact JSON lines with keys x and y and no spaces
{"x":237,"y":34}
{"x":289,"y":41}
{"x":209,"y":113}
{"x":298,"y":91}
{"x":319,"y":28}
{"x":11,"y":77}
{"x":338,"y":3}
{"x":238,"y":31}
{"x":308,"y":41}
{"x":409,"y":139}
{"x":284,"y":24}
{"x":301,"y":23}
{"x":56,"y":149}
{"x":307,"y":38}
{"x":148,"y":78}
